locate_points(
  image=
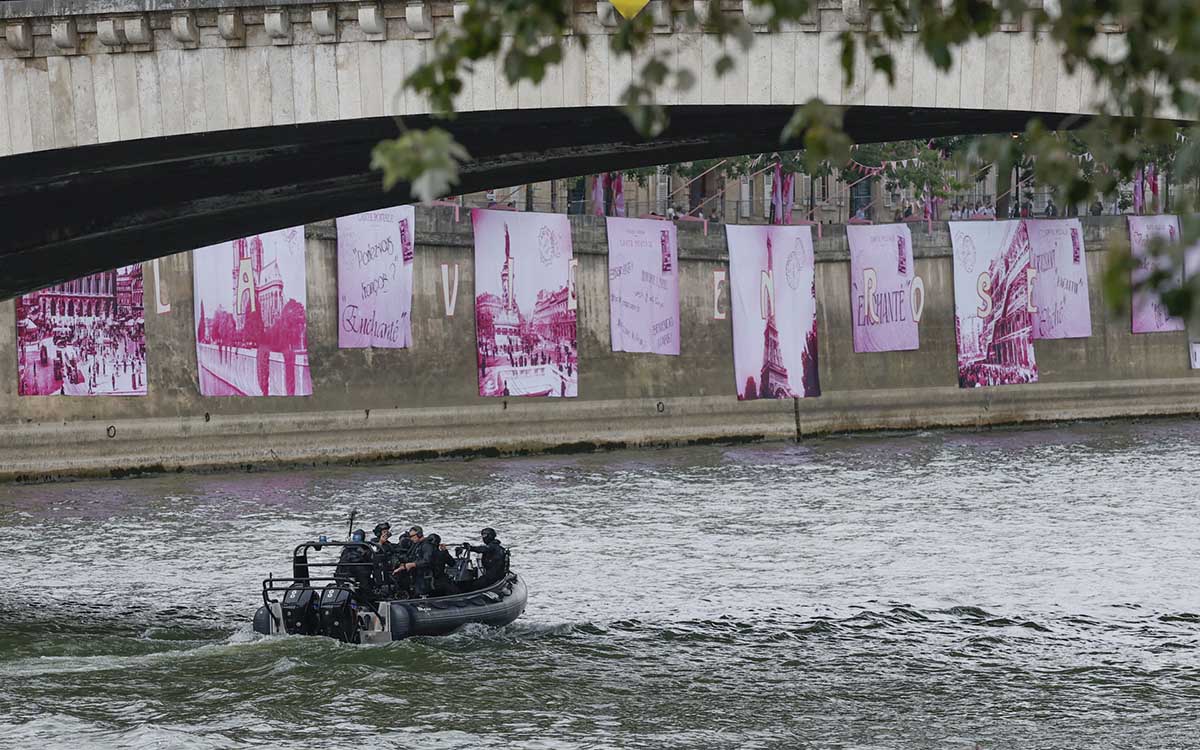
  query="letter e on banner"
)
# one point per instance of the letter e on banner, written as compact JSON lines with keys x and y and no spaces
{"x":983,"y":286}
{"x":870,"y":284}
{"x":572,"y":298}
{"x":1030,"y":275}
{"x":449,"y":293}
{"x":162,"y":302}
{"x":718,"y":280}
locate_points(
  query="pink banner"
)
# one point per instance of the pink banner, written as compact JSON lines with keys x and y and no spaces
{"x":85,"y":337}
{"x":643,"y":285}
{"x":250,"y":312}
{"x":1149,"y":313}
{"x":882,"y":297}
{"x":1060,"y":286}
{"x":524,"y":304}
{"x":375,"y":274}
{"x":773,"y":295}
{"x":993,"y":322}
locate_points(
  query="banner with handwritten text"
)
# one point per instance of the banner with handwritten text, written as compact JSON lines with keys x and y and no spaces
{"x":1149,"y":313}
{"x":375,"y":274}
{"x":1060,"y":282}
{"x":883,"y":300}
{"x":643,"y":285}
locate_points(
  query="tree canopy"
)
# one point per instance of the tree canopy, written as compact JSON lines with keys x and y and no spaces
{"x":1156,"y":73}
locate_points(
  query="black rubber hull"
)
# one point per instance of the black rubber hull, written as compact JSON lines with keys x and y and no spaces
{"x":497,"y":605}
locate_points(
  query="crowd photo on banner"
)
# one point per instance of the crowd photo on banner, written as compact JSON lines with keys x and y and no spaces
{"x":643,"y":285}
{"x":774,"y":306}
{"x":375,"y":252}
{"x":251,"y":323}
{"x":524,"y":304}
{"x":85,"y":337}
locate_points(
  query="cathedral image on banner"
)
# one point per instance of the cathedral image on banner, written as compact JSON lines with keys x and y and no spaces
{"x":772,"y":287}
{"x":524,"y":305}
{"x":992,"y":317}
{"x":251,"y":319}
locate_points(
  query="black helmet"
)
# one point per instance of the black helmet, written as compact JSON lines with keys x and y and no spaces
{"x":488,"y":534}
{"x":358,"y":536}
{"x":380,"y":528}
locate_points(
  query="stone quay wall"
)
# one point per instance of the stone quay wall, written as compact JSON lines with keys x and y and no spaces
{"x":422,"y":402}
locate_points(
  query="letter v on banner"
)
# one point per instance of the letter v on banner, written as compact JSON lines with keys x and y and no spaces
{"x":449,"y":293}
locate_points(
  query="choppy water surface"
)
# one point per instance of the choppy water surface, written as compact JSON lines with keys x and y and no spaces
{"x":1015,"y":588}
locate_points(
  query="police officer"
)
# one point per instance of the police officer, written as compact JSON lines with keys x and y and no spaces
{"x":354,"y":562}
{"x":493,"y":555}
{"x":420,"y":562}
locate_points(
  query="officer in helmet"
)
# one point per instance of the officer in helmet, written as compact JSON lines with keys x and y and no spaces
{"x":493,"y":555}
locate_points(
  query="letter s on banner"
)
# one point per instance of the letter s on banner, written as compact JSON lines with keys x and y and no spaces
{"x":449,"y":294}
{"x":983,"y":286}
{"x":718,"y":280}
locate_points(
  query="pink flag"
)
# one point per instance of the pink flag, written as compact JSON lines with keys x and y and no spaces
{"x":1138,"y":191}
{"x":618,"y":189}
{"x":789,"y":193}
{"x":598,"y":194}
{"x":777,"y":194}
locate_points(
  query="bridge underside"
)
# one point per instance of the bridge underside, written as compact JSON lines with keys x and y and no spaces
{"x":70,"y":212}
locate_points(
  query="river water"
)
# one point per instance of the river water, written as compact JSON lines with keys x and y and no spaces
{"x":1015,"y":588}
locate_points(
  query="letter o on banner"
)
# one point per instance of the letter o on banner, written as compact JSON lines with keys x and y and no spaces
{"x":916,"y":298}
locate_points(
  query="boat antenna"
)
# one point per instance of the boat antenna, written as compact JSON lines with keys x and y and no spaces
{"x":353,"y":513}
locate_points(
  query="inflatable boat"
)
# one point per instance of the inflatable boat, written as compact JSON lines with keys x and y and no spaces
{"x":365,"y":607}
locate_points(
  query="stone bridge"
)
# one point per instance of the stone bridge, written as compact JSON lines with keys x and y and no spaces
{"x":132,"y":129}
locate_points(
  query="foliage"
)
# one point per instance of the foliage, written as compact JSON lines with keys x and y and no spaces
{"x":1156,"y":71}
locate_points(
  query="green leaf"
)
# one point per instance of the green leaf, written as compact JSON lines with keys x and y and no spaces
{"x":426,"y":159}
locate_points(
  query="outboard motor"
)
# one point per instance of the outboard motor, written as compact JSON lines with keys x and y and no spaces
{"x":337,"y":616}
{"x":300,"y":615}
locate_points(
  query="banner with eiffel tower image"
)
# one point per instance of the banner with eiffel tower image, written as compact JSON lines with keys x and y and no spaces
{"x":774,"y":306}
